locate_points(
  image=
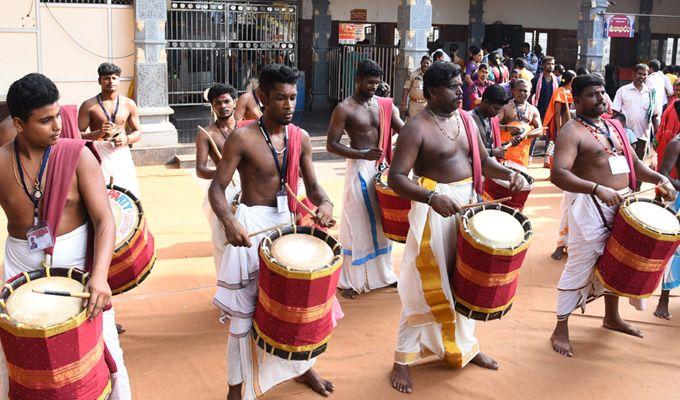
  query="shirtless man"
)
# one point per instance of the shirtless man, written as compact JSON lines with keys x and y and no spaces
{"x":250,"y":151}
{"x":437,"y":145}
{"x":7,"y":131}
{"x":36,"y":116}
{"x":587,"y":166}
{"x":367,"y":263}
{"x":113,"y":121}
{"x":248,"y":105}
{"x":519,"y":110}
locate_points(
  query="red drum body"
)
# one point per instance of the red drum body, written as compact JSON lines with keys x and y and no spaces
{"x":393,"y":210}
{"x":134,"y":255}
{"x":299,"y":272}
{"x":492,"y":243}
{"x":498,"y":189}
{"x":644,"y":237}
{"x":53,"y":351}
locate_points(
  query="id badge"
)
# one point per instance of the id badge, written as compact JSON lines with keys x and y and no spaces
{"x":281,"y":201}
{"x":39,"y":237}
{"x":618,"y":165}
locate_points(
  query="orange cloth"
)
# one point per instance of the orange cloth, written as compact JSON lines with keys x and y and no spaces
{"x":562,"y":95}
{"x":519,"y":153}
{"x":669,"y":127}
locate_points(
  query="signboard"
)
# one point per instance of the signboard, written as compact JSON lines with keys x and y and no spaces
{"x":620,"y":25}
{"x":358,"y":14}
{"x":347,"y":34}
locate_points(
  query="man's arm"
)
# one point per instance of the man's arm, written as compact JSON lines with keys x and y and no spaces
{"x":202,"y":153}
{"x":94,"y":194}
{"x":491,"y":168}
{"x":646,"y":174}
{"x":84,"y":123}
{"x":397,"y":123}
{"x":314,"y":191}
{"x":134,"y":124}
{"x":535,"y":118}
{"x":242,"y":105}
{"x":334,"y":135}
{"x":670,"y":159}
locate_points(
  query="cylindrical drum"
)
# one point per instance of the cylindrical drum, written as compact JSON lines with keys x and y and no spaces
{"x":299,"y":272}
{"x":134,"y":254}
{"x":499,"y":189}
{"x":53,"y":351}
{"x":644,"y":236}
{"x":492,"y":243}
{"x":393,"y":210}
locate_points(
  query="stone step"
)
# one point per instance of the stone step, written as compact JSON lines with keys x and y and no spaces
{"x":185,"y":161}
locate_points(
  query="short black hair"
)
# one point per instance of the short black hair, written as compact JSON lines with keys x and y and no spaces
{"x":439,"y":74}
{"x":272,"y":74}
{"x":581,"y":82}
{"x":495,"y":94}
{"x":582,"y":71}
{"x":438,"y":54}
{"x":453,"y":47}
{"x":219,"y":89}
{"x":425,"y":57}
{"x":654,"y":65}
{"x":520,"y":63}
{"x":366,"y":68}
{"x":568,"y":76}
{"x":106,"y":69}
{"x":29,"y":93}
{"x":483,"y":66}
{"x":527,"y":45}
{"x":559,"y":67}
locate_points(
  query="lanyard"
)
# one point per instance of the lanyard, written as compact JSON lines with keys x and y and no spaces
{"x":280,"y":168}
{"x":520,"y":115}
{"x":111,"y":118}
{"x":37,"y":194}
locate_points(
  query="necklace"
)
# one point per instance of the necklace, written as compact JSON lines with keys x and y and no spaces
{"x":520,"y":113}
{"x":224,"y":135}
{"x":596,"y":132}
{"x":364,"y":105}
{"x":446,"y":134}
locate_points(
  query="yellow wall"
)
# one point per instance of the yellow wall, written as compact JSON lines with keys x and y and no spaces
{"x":38,"y":42}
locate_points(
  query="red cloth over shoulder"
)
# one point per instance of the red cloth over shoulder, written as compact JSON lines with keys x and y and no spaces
{"x":385,"y":104}
{"x":472,"y":133}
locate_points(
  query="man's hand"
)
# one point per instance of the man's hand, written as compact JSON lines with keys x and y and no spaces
{"x":516,"y":140}
{"x":237,"y":235}
{"x":498,"y":152}
{"x":667,"y":191}
{"x":444,"y":205}
{"x":324,"y":215}
{"x":100,"y":295}
{"x":121,"y":139}
{"x":608,"y":196}
{"x":372,"y":154}
{"x":514,"y":130}
{"x":517,"y":182}
{"x":105,"y":130}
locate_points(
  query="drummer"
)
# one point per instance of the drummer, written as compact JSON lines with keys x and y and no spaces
{"x":597,"y":175}
{"x":519,"y":110}
{"x":485,"y":116}
{"x":437,"y":145}
{"x":267,"y":154}
{"x":33,"y":105}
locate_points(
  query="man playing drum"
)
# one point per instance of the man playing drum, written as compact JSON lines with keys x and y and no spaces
{"x":595,"y":165}
{"x":438,"y":145}
{"x":109,"y":116}
{"x":266,"y":154}
{"x":367,"y":263}
{"x":519,"y":111}
{"x":29,"y":177}
{"x":488,"y":123}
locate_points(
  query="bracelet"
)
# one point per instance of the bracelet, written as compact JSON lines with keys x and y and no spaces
{"x":327,"y":201}
{"x":595,"y":186}
{"x":429,"y":197}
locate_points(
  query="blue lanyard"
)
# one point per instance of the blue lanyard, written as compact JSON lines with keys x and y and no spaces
{"x":281,"y":170}
{"x":111,"y":118}
{"x":37,"y":194}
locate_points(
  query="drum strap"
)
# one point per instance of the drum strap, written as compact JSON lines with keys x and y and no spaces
{"x":599,"y":211}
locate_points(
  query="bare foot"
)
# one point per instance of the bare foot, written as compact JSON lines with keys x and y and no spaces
{"x":401,"y":378}
{"x":120,"y":328}
{"x":560,"y":339}
{"x":662,"y":307}
{"x":619,"y":325}
{"x":485,"y":361}
{"x":558,"y":253}
{"x":234,"y":392}
{"x":316,"y":382}
{"x":349,"y":294}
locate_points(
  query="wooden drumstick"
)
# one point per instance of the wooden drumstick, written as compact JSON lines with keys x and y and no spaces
{"x":215,"y":149}
{"x":268,"y":229}
{"x":485,"y":203}
{"x":644,"y":191}
{"x":80,"y":295}
{"x":290,"y":191}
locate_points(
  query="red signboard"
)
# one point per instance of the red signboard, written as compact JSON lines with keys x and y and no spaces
{"x":620,"y":25}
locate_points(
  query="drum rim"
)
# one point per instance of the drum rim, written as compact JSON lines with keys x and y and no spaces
{"x":336,"y":247}
{"x":305,"y":352}
{"x":657,"y":233}
{"x":140,"y":216}
{"x":523,"y":220}
{"x":23,"y":330}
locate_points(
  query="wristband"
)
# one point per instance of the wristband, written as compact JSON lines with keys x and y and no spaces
{"x":594,"y":191}
{"x":429,"y":197}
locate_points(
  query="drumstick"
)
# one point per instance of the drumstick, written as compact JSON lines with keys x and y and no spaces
{"x":485,"y":203}
{"x":268,"y":229}
{"x":215,"y":149}
{"x":290,"y":191}
{"x":644,"y":191}
{"x":80,"y":295}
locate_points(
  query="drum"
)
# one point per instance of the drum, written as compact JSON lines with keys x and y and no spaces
{"x":549,"y":155}
{"x":53,"y":350}
{"x":520,"y":153}
{"x":393,"y":210}
{"x":498,"y":189}
{"x":644,"y":236}
{"x":134,"y":254}
{"x":492,"y":242}
{"x":299,"y":272}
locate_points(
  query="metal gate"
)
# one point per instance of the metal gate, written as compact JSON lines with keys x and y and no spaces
{"x":212,"y":41}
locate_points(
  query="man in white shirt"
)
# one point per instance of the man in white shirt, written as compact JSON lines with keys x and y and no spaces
{"x":637,"y":102}
{"x":661,"y":84}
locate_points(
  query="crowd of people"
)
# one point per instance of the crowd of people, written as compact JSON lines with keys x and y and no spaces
{"x":467,"y":122}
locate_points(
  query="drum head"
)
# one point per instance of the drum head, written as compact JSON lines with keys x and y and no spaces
{"x":496,"y":228}
{"x":654,"y":216}
{"x":301,"y":252}
{"x":42,"y":310}
{"x":126,"y":215}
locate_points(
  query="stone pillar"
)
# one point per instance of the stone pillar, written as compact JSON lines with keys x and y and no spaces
{"x":477,"y":28}
{"x":151,"y":75}
{"x":321,"y":19}
{"x":591,"y":36}
{"x":413,"y":22}
{"x":644,"y":32}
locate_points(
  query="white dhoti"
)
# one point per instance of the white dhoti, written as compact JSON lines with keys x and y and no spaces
{"x":69,"y":251}
{"x":563,"y":234}
{"x":586,"y":241}
{"x":216,"y":229}
{"x":430,"y":325}
{"x":117,"y":163}
{"x":367,"y":261}
{"x":236,"y":297}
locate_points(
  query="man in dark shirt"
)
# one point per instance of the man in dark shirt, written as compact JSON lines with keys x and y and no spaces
{"x":543,"y":85}
{"x":485,"y":116}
